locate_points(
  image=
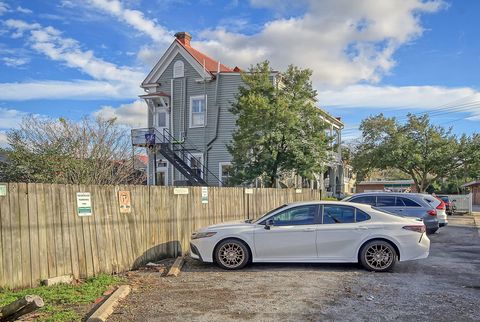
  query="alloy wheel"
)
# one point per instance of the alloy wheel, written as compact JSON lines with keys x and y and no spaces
{"x":379,"y":256}
{"x":231,"y":255}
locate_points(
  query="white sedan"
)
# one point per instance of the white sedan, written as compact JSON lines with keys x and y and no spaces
{"x":314,"y":232}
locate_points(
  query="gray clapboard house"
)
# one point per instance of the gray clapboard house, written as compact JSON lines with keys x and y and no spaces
{"x":189,"y":96}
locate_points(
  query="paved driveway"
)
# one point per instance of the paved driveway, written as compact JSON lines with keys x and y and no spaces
{"x":444,"y":287}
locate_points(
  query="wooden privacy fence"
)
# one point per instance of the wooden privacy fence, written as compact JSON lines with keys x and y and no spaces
{"x":43,"y":236}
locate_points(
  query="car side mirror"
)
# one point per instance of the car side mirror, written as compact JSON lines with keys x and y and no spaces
{"x":268,"y":224}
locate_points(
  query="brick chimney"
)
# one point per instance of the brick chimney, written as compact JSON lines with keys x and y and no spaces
{"x":184,"y":37}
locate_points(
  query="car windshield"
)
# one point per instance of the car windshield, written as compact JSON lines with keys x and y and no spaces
{"x":269,"y":213}
{"x":387,"y":212}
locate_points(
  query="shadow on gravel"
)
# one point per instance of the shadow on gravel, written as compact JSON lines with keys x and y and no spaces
{"x":192,"y":265}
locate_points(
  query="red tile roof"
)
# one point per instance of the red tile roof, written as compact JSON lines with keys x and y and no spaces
{"x":211,"y":65}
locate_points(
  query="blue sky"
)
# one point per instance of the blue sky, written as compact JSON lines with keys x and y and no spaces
{"x":77,"y":58}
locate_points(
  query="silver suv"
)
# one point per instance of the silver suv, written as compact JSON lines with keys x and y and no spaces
{"x":404,"y":204}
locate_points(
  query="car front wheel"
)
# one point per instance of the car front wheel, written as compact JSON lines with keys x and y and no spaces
{"x":232,"y":254}
{"x":378,"y":256}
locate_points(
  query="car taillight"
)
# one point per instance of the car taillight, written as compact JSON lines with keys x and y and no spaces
{"x":419,"y":229}
{"x":432,"y":212}
{"x":441,"y":206}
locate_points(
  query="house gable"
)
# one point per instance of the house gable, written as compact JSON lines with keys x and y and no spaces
{"x":168,"y":57}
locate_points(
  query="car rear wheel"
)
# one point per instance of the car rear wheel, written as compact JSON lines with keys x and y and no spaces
{"x":378,"y":256}
{"x":232,"y":254}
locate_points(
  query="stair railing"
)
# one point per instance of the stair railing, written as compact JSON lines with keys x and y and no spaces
{"x":167,"y":137}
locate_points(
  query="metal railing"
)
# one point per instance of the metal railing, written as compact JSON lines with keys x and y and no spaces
{"x":151,"y":136}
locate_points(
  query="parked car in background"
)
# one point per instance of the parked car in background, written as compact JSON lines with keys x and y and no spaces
{"x":316,"y":231}
{"x":449,"y":204}
{"x":405,"y":204}
{"x":439,"y":205}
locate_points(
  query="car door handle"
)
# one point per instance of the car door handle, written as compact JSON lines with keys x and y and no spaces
{"x":309,"y":229}
{"x":361,"y":228}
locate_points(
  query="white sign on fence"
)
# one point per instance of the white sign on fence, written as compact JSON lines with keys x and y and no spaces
{"x":248,"y":191}
{"x":204,"y":194}
{"x":84,"y":204}
{"x":3,"y":190}
{"x":180,"y":191}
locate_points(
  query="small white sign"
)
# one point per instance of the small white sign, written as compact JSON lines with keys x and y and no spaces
{"x":298,"y":190}
{"x":3,"y":190}
{"x":84,"y":204}
{"x":180,"y":191}
{"x":248,"y":191}
{"x":204,"y":194}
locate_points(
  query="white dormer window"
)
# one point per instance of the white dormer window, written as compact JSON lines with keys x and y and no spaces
{"x":178,"y":69}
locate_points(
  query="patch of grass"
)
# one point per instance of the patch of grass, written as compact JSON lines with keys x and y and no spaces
{"x":63,"y":301}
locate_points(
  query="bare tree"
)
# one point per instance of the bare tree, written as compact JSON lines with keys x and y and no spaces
{"x":91,"y":151}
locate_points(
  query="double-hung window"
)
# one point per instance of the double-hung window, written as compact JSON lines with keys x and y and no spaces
{"x":198,"y":109}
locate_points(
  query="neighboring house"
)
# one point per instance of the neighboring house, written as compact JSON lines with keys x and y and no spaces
{"x":189,"y":96}
{"x":474,"y":188}
{"x":387,"y":185}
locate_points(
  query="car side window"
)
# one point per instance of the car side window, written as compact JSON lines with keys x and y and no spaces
{"x":361,"y":215}
{"x":367,"y":200}
{"x":407,"y":202}
{"x":333,"y":214}
{"x":302,"y":215}
{"x":385,"y":201}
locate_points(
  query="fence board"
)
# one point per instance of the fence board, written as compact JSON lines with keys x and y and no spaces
{"x":6,"y":239}
{"x":24,"y":235}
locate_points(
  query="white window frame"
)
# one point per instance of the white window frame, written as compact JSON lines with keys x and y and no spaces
{"x":198,"y":156}
{"x":220,"y":165}
{"x":176,"y":69}
{"x":192,"y":98}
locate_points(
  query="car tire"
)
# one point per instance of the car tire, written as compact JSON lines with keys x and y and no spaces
{"x":232,"y":254}
{"x":378,"y":256}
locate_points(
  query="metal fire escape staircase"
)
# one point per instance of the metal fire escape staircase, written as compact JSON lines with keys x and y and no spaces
{"x":175,"y":152}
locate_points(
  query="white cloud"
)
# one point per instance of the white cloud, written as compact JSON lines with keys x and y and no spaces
{"x":3,"y":8}
{"x":134,"y":18}
{"x":24,"y":10}
{"x":115,"y":81}
{"x":15,"y":61}
{"x":396,"y":97}
{"x":10,"y":118}
{"x":75,"y":89}
{"x":343,"y":41}
{"x":133,"y":114}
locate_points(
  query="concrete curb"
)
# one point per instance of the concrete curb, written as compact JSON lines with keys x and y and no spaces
{"x":176,"y":267}
{"x":102,"y":313}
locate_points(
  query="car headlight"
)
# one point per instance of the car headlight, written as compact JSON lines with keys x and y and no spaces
{"x":203,"y":235}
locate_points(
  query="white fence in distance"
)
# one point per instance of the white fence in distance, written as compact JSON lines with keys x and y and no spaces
{"x":463,"y":203}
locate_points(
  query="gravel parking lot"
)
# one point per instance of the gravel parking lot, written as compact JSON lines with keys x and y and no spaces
{"x":444,"y":287}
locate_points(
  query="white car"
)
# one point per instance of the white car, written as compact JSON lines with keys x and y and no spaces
{"x":315,"y":232}
{"x":440,"y":207}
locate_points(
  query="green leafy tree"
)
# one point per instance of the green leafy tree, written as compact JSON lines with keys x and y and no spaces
{"x":91,"y":151}
{"x":279,"y":129}
{"x":417,"y":148}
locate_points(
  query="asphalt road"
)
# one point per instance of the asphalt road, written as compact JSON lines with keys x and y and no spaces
{"x":443,"y":287}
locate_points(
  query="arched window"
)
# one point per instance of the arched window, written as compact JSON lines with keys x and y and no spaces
{"x":178,"y":70}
